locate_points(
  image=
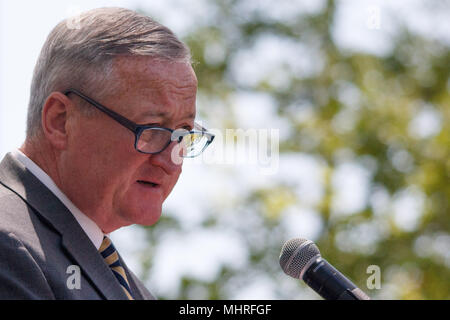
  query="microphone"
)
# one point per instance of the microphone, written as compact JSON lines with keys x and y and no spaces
{"x":301,"y":259}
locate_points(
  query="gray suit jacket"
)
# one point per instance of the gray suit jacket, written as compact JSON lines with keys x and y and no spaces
{"x":40,"y":239}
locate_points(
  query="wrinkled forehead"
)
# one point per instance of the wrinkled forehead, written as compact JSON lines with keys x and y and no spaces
{"x":147,"y":72}
{"x":156,"y":88}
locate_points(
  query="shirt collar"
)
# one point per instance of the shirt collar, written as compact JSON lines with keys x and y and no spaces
{"x":91,"y":229}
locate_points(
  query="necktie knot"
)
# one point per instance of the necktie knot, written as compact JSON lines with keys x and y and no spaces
{"x":111,"y":257}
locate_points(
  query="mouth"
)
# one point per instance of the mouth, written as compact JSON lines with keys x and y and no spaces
{"x":148,"y":184}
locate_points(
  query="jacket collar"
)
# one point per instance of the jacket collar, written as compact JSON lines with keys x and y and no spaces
{"x":49,"y":208}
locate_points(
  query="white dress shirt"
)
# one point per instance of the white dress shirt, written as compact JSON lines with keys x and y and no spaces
{"x":91,"y":229}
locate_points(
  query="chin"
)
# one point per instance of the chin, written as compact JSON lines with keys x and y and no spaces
{"x":149,"y":221}
{"x":142,"y":206}
{"x":145,"y":216}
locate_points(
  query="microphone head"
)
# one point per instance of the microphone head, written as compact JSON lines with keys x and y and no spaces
{"x":295,"y":256}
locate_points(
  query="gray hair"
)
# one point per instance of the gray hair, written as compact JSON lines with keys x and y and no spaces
{"x":79,"y":53}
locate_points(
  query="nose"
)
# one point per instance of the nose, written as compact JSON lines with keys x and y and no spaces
{"x":169,"y":159}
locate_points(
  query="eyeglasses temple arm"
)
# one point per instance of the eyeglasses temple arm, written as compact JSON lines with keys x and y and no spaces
{"x":122,"y":120}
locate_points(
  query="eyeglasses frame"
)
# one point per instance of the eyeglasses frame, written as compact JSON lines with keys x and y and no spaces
{"x":138,"y":129}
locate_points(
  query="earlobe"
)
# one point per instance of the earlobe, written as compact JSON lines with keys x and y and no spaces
{"x":54,"y":119}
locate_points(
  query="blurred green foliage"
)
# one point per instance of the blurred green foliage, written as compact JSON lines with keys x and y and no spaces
{"x":375,"y":131}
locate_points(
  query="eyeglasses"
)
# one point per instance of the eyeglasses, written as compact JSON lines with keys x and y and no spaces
{"x":152,"y":139}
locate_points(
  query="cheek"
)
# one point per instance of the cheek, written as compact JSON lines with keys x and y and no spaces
{"x":106,"y":157}
{"x":173,"y":181}
{"x":110,"y":148}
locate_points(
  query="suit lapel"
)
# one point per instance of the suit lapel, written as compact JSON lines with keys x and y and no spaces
{"x":18,"y":179}
{"x":140,"y":292}
{"x":93,"y":265}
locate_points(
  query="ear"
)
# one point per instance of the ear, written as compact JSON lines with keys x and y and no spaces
{"x":54,"y":119}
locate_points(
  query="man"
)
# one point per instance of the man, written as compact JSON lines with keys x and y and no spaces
{"x":111,"y":114}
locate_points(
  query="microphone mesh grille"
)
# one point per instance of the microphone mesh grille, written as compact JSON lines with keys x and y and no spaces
{"x":295,"y":255}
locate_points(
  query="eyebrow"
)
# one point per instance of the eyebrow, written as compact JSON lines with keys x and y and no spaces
{"x":163,"y":114}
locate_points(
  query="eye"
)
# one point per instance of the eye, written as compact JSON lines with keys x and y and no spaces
{"x":186,"y":127}
{"x":151,"y":124}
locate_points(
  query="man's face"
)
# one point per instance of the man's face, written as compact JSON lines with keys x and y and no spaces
{"x":101,"y":171}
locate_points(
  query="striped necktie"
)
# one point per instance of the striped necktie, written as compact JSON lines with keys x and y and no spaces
{"x":111,"y":258}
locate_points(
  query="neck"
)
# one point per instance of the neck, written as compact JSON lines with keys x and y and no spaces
{"x":41,"y":153}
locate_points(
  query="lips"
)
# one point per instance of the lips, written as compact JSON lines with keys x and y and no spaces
{"x":148,"y":183}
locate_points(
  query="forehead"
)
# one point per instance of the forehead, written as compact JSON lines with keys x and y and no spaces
{"x":132,"y":70}
{"x":150,"y":87}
